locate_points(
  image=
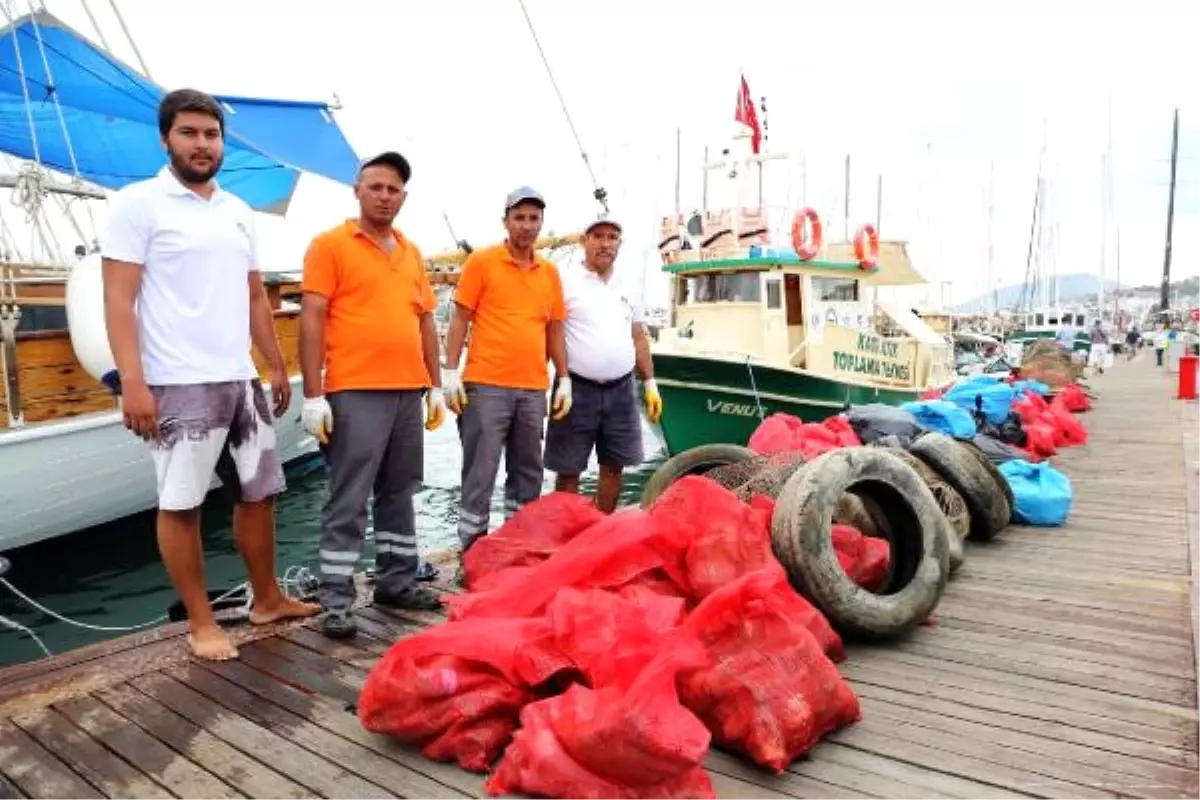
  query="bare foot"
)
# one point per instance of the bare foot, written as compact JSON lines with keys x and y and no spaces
{"x":211,"y":644}
{"x":283,"y":608}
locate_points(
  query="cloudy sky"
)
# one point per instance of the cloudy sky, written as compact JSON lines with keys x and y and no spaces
{"x":933,"y":98}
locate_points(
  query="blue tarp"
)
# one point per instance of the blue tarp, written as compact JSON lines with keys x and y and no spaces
{"x":996,"y":398}
{"x":943,"y":416}
{"x":1042,"y":495}
{"x":110,"y":112}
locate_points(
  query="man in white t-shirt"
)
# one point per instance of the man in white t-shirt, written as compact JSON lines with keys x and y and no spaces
{"x":606,"y":343}
{"x":183,"y":299}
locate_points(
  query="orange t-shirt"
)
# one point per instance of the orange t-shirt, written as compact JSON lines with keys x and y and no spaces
{"x":513,"y":305}
{"x":376,"y":300}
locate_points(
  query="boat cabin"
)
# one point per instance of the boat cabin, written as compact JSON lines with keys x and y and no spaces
{"x":817,"y":315}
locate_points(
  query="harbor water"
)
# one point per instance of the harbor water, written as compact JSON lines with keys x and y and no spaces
{"x":111,"y":575}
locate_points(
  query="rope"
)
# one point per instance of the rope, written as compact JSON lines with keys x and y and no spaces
{"x":129,"y":37}
{"x":29,"y":190}
{"x":754,"y":387}
{"x":37,"y":156}
{"x":296,"y":577}
{"x":87,"y":9}
{"x":599,"y":193}
{"x":53,"y":92}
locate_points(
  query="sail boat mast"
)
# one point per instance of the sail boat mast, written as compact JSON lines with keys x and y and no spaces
{"x":1164,"y":297}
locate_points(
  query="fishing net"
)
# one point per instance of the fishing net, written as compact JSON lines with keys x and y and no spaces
{"x":1046,"y":361}
{"x":949,"y":501}
{"x":764,"y":475}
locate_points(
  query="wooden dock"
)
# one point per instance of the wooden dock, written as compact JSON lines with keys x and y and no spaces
{"x":1062,"y":663}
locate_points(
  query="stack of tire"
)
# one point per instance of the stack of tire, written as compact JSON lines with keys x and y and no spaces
{"x":924,"y":501}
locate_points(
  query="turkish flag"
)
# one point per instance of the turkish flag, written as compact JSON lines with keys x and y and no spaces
{"x":746,"y":115}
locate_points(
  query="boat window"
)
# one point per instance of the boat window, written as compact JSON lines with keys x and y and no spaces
{"x":732,"y":287}
{"x":1079,"y":320}
{"x":835,"y":289}
{"x":774,"y":294}
{"x":1039,"y":319}
{"x":1052,"y":320}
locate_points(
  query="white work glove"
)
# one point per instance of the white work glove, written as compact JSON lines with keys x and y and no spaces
{"x":435,"y":409}
{"x":560,"y":404}
{"x":453,"y":391}
{"x":317,"y":418}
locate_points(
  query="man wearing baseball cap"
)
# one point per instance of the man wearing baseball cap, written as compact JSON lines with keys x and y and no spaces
{"x":367,"y":324}
{"x":606,"y":344}
{"x":511,"y":299}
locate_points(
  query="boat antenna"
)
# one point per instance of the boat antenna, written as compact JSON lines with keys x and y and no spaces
{"x":462,"y":244}
{"x":599,"y":193}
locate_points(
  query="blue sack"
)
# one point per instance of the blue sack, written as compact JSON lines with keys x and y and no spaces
{"x":1042,"y":495}
{"x":1036,"y":387}
{"x":942,"y":416}
{"x":997,"y":399}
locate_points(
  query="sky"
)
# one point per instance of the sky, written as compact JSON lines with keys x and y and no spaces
{"x":949,"y":106}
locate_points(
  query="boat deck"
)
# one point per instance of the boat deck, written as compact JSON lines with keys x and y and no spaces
{"x":1062,"y":663}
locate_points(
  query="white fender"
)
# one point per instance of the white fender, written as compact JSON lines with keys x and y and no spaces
{"x":85,"y":317}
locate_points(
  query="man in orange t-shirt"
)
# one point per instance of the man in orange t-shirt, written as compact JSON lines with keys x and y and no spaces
{"x":511,"y":299}
{"x":367,"y":318}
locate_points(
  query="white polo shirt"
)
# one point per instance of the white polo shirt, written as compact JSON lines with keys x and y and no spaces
{"x":599,"y":328}
{"x":194,"y":305}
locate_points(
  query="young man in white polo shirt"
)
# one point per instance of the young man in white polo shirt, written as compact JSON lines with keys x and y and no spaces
{"x":183,"y":299}
{"x":606,"y":343}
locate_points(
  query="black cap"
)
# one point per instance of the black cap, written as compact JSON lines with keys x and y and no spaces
{"x":392,"y":159}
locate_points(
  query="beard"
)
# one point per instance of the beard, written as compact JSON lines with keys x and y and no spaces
{"x":189,"y":174}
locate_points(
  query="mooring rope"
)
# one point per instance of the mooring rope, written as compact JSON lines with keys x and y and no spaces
{"x":296,"y":581}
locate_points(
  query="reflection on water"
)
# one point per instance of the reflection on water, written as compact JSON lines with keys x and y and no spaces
{"x":111,"y":574}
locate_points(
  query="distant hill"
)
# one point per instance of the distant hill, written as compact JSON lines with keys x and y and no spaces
{"x":1071,"y":288}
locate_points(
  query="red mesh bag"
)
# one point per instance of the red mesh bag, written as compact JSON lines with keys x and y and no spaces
{"x":610,"y":553}
{"x":533,"y":534}
{"x":1030,"y":407}
{"x":783,"y":433}
{"x":656,"y":582}
{"x":632,"y":739}
{"x":1039,"y":439}
{"x":456,"y":690}
{"x":1069,"y":430}
{"x":709,"y":537}
{"x":865,"y":558}
{"x":1074,"y":398}
{"x":607,"y":636}
{"x":770,"y":692}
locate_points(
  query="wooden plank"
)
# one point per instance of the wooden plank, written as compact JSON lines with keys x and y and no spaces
{"x":143,"y":751}
{"x":275,"y":747}
{"x":380,"y":771}
{"x":89,"y":758}
{"x":333,"y":717}
{"x":1052,"y":728}
{"x":252,"y":777}
{"x":36,"y":771}
{"x":944,"y":783}
{"x":9,"y":790}
{"x":1049,"y":756}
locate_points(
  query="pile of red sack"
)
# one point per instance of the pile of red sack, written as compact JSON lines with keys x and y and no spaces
{"x":783,"y":433}
{"x":601,"y":656}
{"x":1052,"y":425}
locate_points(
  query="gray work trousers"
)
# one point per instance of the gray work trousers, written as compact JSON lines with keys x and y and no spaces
{"x":499,"y":419}
{"x":377,"y":445}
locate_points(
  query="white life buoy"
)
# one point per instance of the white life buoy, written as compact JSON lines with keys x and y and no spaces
{"x":85,"y":319}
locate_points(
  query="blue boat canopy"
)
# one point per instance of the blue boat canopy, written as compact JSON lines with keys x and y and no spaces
{"x":104,"y":126}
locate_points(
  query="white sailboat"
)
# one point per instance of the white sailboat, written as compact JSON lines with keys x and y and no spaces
{"x":89,"y":125}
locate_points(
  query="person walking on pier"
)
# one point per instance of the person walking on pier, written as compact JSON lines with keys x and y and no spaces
{"x":367,"y":319}
{"x":1099,"y":350}
{"x":183,"y":301}
{"x":606,"y":339}
{"x":511,"y":301}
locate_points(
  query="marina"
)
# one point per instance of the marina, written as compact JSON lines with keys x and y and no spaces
{"x":1060,"y":662}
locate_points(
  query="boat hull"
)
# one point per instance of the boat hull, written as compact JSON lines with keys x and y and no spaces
{"x":1082,"y":344}
{"x":62,"y":476}
{"x":710,"y":401}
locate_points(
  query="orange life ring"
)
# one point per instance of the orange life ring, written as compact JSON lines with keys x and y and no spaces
{"x":806,"y":249}
{"x":864,"y":237}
